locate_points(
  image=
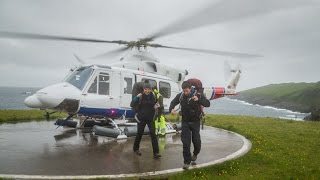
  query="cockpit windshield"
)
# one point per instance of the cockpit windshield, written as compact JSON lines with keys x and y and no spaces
{"x":79,"y":77}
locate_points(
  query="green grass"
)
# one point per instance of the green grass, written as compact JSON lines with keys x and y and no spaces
{"x":25,"y":115}
{"x":281,"y":149}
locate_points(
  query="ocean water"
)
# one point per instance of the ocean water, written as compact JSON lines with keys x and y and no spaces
{"x":236,"y":107}
{"x":13,"y":97}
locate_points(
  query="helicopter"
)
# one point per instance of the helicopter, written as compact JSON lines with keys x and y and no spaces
{"x":94,"y":90}
{"x":99,"y":90}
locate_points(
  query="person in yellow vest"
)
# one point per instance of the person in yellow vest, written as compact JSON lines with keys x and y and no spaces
{"x":160,"y":121}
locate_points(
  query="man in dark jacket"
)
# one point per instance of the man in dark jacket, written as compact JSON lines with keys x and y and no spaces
{"x":146,"y":111}
{"x":190,"y":102}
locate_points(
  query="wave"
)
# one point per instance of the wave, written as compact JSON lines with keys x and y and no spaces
{"x":291,"y":117}
{"x":267,"y":107}
{"x":242,"y":102}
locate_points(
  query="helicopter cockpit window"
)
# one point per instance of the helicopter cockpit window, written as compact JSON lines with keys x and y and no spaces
{"x":165,"y":89}
{"x":127,"y":85}
{"x":104,"y":84}
{"x":80,"y":77}
{"x":93,"y":87}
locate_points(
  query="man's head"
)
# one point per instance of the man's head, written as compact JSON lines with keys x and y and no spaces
{"x":186,"y":88}
{"x":147,"y":88}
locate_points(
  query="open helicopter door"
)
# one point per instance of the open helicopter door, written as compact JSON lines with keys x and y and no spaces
{"x":100,"y":96}
{"x":127,"y":81}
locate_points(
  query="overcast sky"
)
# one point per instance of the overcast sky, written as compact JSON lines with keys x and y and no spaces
{"x":288,"y":38}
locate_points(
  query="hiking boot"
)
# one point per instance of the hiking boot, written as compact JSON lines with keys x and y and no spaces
{"x":137,"y":152}
{"x":194,"y":157}
{"x":156,"y":156}
{"x":186,"y":166}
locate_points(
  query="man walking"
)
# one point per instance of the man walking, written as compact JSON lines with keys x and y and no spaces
{"x":145,"y":104}
{"x":191,"y":102}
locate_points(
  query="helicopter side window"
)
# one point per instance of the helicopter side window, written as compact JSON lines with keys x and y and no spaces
{"x":127,"y":88}
{"x":153,"y":83}
{"x":93,"y":87}
{"x":165,"y":89}
{"x":104,"y":84}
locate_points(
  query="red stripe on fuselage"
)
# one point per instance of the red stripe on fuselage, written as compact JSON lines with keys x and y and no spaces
{"x":217,"y":92}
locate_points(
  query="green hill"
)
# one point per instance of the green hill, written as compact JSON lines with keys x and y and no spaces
{"x":302,"y":97}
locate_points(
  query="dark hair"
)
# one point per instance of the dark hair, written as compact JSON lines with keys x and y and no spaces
{"x":147,"y":85}
{"x":185,"y":85}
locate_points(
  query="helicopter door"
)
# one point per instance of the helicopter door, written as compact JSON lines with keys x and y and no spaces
{"x":127,"y":81}
{"x":98,"y":96}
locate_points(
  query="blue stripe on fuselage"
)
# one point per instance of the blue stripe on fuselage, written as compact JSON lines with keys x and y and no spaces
{"x":111,"y":112}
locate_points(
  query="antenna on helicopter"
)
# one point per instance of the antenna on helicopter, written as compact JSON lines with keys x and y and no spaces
{"x":81,"y":61}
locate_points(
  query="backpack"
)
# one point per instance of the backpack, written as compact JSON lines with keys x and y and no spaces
{"x":197,"y":84}
{"x":137,"y":88}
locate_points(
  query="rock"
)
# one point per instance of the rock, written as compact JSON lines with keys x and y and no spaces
{"x":314,"y":116}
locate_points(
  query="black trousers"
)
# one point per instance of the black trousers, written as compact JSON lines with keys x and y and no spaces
{"x":190,"y":132}
{"x":153,"y":136}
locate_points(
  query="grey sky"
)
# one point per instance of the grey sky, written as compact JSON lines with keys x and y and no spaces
{"x":288,"y":39}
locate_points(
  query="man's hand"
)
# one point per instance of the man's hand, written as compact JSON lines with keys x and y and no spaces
{"x":156,"y":106}
{"x":139,"y":95}
{"x":173,"y":112}
{"x":195,"y":98}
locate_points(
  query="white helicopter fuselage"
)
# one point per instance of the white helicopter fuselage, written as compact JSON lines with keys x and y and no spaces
{"x":106,"y":91}
{"x":96,"y":90}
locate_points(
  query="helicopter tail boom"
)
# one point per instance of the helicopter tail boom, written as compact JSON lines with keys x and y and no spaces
{"x":218,"y":92}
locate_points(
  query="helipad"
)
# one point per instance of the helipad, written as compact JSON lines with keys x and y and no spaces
{"x":36,"y":150}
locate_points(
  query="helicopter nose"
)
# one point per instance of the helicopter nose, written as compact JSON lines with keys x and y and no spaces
{"x":33,"y":102}
{"x":54,"y":96}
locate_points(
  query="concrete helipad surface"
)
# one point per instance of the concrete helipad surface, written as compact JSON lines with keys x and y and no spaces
{"x":38,"y":150}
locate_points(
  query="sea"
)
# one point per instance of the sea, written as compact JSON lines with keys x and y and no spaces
{"x":13,"y":97}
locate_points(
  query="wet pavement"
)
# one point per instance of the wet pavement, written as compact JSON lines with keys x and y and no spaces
{"x":37,"y":148}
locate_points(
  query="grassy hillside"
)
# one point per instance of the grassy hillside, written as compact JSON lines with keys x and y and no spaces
{"x":301,"y":97}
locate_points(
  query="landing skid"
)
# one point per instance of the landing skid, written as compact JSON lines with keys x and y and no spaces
{"x":114,"y":128}
{"x":126,"y":130}
{"x":122,"y":135}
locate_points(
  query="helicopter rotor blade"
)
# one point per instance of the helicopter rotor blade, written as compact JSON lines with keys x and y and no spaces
{"x":227,"y":70}
{"x":226,"y":11}
{"x":215,"y":52}
{"x":5,"y":34}
{"x":111,"y":53}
